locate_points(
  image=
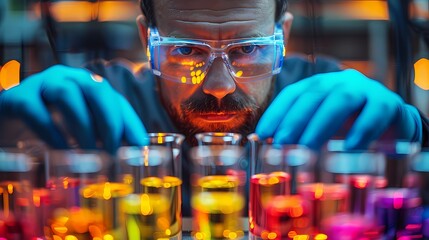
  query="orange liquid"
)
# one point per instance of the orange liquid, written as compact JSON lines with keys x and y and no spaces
{"x":98,"y":215}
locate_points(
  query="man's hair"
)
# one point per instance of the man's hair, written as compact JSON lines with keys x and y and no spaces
{"x":147,"y":9}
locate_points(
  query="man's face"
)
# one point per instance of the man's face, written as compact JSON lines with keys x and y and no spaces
{"x":219,"y":103}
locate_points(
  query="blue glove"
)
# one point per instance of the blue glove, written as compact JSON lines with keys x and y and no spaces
{"x":312,"y":111}
{"x":92,"y":110}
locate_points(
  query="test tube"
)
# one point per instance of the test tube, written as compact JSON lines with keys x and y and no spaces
{"x":218,"y":199}
{"x":356,"y":172}
{"x":398,"y":204}
{"x":153,"y":210}
{"x":278,"y":173}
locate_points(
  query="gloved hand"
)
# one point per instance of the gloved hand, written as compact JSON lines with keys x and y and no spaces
{"x":312,"y":110}
{"x":92,"y":110}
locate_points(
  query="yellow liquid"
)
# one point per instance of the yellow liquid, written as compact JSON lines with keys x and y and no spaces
{"x":97,"y":217}
{"x":155,"y":213}
{"x":217,"y":208}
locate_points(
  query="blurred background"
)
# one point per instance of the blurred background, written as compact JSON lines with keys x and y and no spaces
{"x":381,"y":38}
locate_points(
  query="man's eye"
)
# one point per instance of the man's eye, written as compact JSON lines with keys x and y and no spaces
{"x":184,"y":50}
{"x":248,"y":49}
{"x":244,"y":50}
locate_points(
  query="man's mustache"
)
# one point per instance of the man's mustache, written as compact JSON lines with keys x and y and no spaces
{"x":200,"y":102}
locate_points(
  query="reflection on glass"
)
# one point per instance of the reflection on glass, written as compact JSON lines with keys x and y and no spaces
{"x":279,"y":173}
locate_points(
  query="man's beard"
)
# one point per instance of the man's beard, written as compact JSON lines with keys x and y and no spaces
{"x":247,"y":110}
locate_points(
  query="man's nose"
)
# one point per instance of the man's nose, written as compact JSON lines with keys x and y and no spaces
{"x":218,"y":81}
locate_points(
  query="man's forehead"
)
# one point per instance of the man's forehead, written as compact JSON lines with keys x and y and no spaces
{"x":216,"y":19}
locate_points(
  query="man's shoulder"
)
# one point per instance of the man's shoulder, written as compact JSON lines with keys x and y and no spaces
{"x":308,"y":65}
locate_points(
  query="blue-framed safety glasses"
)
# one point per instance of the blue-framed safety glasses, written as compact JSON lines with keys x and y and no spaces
{"x":188,"y":60}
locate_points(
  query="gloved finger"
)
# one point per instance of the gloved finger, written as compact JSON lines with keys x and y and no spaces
{"x":409,"y":123}
{"x":39,"y":119}
{"x":134,"y":130}
{"x":25,"y":103}
{"x":103,"y":104}
{"x":298,"y":116}
{"x":274,"y":114}
{"x":69,"y":100}
{"x":330,"y":116}
{"x":370,"y":124}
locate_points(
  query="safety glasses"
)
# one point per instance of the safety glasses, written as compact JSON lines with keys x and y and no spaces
{"x":188,"y":60}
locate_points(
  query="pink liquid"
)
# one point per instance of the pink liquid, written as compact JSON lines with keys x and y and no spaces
{"x":11,"y":228}
{"x":346,"y":226}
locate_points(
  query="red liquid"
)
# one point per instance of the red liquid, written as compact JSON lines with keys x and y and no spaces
{"x":273,"y":213}
{"x":16,"y":211}
{"x":41,"y":201}
{"x":359,"y":187}
{"x":64,"y":192}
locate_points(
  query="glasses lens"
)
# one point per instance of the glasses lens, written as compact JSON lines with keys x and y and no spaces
{"x":185,"y":63}
{"x":252,"y":60}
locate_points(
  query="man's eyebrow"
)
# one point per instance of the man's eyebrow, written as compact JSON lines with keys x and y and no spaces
{"x":215,"y":23}
{"x":256,"y":34}
{"x":211,"y":10}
